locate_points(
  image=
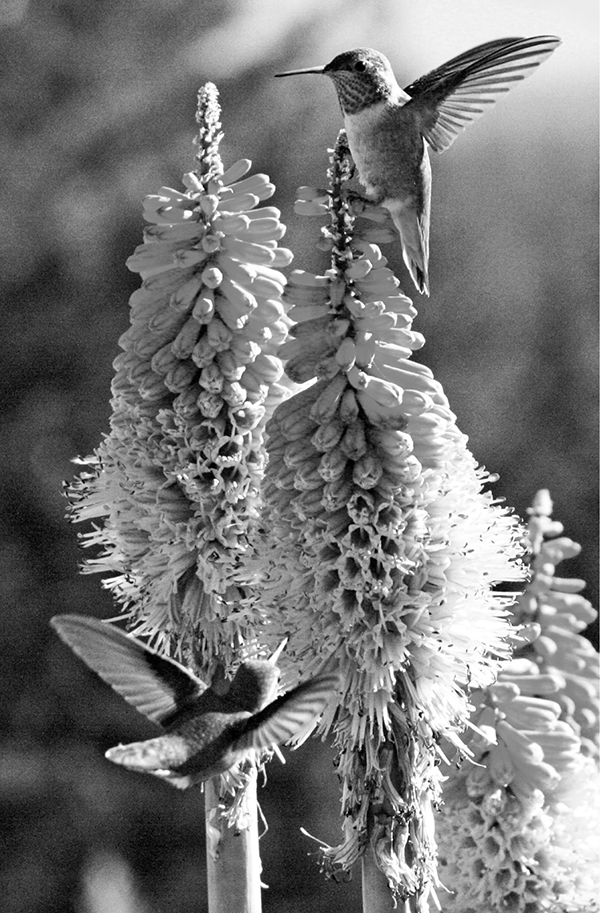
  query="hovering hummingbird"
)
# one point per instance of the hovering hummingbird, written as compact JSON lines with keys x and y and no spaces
{"x":389,"y":128}
{"x":207,"y":729}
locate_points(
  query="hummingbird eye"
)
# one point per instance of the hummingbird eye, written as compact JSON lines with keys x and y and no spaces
{"x":360,"y":66}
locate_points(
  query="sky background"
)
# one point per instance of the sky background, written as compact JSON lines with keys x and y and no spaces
{"x":97,"y":101}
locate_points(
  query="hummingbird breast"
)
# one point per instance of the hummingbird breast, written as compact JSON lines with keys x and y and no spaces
{"x":210,"y":741}
{"x":388,"y":149}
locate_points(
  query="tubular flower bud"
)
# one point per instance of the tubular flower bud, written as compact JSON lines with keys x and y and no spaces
{"x":175,"y":484}
{"x":381,"y":547}
{"x":521,"y":830}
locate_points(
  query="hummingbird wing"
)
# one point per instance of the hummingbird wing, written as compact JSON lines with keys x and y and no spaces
{"x":156,"y":686}
{"x":286,"y":716}
{"x":450,"y":98}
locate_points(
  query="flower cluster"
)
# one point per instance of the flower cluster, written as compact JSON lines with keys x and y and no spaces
{"x":501,"y":849}
{"x":520,"y":831}
{"x":176,"y":482}
{"x":382,"y":547}
{"x":556,"y":605}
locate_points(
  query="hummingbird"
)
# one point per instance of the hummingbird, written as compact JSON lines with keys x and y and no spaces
{"x":389,"y":129}
{"x":207,"y":730}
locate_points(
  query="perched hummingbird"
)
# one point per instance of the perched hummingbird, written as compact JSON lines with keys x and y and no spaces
{"x":207,"y":730}
{"x":389,"y":128}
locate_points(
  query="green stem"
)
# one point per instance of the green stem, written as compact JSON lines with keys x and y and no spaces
{"x":232,"y":857}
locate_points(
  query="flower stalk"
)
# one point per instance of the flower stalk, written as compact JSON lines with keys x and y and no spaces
{"x":232,"y":855}
{"x":382,"y":546}
{"x":175,"y":484}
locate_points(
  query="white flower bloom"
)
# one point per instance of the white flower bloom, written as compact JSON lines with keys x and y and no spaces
{"x":175,"y":485}
{"x":381,"y":548}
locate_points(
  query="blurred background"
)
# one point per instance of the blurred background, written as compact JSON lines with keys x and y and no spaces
{"x":98,"y":103}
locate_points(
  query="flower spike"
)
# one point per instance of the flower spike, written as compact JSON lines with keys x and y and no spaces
{"x":520,"y":830}
{"x":382,"y":547}
{"x":176,"y":482}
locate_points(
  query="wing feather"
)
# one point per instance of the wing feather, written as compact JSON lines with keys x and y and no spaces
{"x":458,"y":92}
{"x":156,"y":686}
{"x":285,"y":718}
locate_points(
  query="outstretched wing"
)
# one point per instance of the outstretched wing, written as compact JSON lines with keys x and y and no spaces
{"x":156,"y":686}
{"x":288,"y":715}
{"x":450,"y":98}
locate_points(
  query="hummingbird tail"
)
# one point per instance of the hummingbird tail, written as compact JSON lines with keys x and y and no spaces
{"x":152,"y":755}
{"x":414,"y":235}
{"x":419,"y":277}
{"x":415,"y":247}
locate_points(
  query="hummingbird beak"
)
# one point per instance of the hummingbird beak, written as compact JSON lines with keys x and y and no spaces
{"x":273,"y":659}
{"x":301,"y":72}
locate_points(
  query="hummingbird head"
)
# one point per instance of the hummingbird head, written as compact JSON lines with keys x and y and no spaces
{"x":362,"y":77}
{"x":254,"y":685}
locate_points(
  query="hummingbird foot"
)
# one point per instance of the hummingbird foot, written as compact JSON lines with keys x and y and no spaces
{"x":366,"y":208}
{"x":357,"y":201}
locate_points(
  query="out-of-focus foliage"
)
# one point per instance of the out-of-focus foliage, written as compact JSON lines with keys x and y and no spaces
{"x":96,"y":105}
